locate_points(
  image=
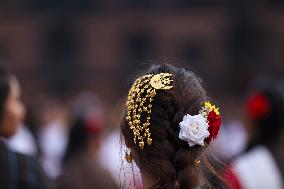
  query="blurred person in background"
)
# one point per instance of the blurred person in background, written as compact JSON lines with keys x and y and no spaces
{"x":53,"y":135}
{"x":82,"y":169}
{"x":261,"y":166}
{"x":110,"y":154}
{"x":233,"y":136}
{"x":110,"y":147}
{"x":17,"y":170}
{"x":23,"y":142}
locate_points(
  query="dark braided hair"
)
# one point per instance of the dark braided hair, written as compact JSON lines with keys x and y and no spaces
{"x":170,"y":160}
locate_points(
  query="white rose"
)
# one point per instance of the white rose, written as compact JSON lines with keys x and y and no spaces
{"x":194,"y":129}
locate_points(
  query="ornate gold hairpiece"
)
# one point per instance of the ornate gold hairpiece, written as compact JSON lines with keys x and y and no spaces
{"x":139,"y":102}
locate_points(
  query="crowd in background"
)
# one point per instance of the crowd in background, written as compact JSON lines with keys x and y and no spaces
{"x":74,"y":66}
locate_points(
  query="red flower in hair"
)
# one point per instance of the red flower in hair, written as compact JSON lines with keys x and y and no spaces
{"x":94,"y":125}
{"x":257,"y":106}
{"x":214,"y":122}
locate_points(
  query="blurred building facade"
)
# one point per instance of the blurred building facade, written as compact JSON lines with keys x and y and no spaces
{"x":59,"y":47}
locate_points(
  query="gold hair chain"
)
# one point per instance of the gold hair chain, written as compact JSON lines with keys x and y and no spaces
{"x":139,"y":104}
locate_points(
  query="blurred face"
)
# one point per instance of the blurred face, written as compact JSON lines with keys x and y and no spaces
{"x":13,"y":111}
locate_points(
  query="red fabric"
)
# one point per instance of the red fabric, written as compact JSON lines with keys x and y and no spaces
{"x":231,"y":179}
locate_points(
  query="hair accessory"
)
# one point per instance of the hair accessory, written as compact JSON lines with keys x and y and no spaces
{"x":258,"y":106}
{"x":196,"y":163}
{"x":139,"y":104}
{"x":128,"y":156}
{"x":201,"y":127}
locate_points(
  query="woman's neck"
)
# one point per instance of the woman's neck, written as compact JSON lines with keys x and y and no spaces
{"x":148,"y":181}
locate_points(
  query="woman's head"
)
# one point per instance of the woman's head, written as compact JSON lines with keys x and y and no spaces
{"x":86,"y":128}
{"x":169,"y":160}
{"x":264,"y":112}
{"x":83,"y":136}
{"x":11,"y":108}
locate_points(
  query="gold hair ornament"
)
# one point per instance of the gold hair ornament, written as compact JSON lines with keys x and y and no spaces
{"x":139,"y":101}
{"x":128,"y":156}
{"x":196,"y":163}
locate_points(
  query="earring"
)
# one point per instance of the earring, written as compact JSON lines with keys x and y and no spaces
{"x":128,"y":156}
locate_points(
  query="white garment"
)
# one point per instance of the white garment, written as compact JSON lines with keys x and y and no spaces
{"x":258,"y":170}
{"x":53,"y":141}
{"x":23,"y":142}
{"x":112,"y":158}
{"x":232,"y":140}
{"x":109,"y":153}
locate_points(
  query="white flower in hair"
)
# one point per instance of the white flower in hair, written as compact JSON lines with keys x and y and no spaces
{"x":194,"y":129}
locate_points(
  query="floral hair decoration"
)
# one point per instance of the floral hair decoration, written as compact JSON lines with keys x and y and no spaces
{"x":200,"y":128}
{"x":193,"y":129}
{"x":258,"y":106}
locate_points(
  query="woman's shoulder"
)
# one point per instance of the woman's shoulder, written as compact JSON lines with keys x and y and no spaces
{"x":22,"y":170}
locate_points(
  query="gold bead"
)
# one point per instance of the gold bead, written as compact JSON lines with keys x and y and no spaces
{"x":149,"y":141}
{"x":141,"y":92}
{"x":196,"y":163}
{"x":141,"y":144}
